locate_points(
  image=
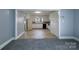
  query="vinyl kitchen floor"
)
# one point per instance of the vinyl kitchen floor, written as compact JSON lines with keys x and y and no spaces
{"x":38,"y":34}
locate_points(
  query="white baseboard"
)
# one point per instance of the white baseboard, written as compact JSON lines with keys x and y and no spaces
{"x":66,"y":37}
{"x":76,"y":38}
{"x":5,"y":43}
{"x":19,"y":36}
{"x":69,"y":37}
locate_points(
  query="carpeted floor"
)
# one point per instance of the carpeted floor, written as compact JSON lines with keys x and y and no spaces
{"x":43,"y":44}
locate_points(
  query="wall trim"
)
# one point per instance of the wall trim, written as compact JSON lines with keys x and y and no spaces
{"x":19,"y":36}
{"x":6,"y":42}
{"x":66,"y":37}
{"x":69,"y":37}
{"x":76,"y":38}
{"x":59,"y":22}
{"x":15,"y":23}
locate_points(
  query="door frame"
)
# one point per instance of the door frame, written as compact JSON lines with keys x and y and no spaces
{"x":15,"y":23}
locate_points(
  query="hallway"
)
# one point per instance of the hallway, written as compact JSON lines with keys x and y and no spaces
{"x":61,"y":31}
{"x":38,"y":34}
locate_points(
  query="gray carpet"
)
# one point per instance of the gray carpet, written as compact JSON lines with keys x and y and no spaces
{"x":42,"y":44}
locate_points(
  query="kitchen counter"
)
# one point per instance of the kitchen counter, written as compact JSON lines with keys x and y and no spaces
{"x":41,"y":23}
{"x":37,"y":25}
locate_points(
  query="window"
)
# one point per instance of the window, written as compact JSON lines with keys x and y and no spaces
{"x":38,"y":19}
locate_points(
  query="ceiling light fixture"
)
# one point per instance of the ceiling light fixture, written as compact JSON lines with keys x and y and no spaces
{"x":37,"y":12}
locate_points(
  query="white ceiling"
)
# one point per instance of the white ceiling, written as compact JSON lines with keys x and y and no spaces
{"x":43,"y":11}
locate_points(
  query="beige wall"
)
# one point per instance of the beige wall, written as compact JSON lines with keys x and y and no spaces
{"x":30,"y":24}
{"x":29,"y":18}
{"x":54,"y":23}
